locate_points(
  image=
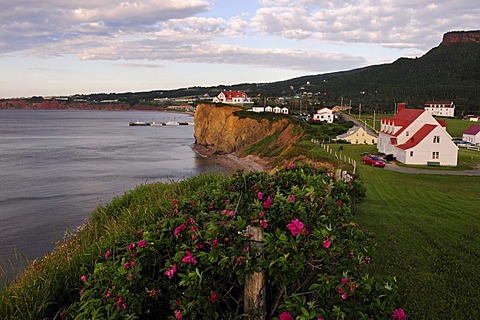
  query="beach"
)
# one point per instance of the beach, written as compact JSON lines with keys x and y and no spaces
{"x":232,"y":161}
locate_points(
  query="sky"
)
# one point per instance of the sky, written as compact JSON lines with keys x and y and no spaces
{"x":59,"y":47}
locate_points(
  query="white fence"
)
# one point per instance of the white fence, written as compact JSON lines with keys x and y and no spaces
{"x":338,"y":156}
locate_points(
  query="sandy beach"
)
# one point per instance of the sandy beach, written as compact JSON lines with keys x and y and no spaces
{"x":233,"y":162}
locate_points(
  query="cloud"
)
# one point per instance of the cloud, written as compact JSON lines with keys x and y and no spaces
{"x":269,"y":36}
{"x":410,"y":23}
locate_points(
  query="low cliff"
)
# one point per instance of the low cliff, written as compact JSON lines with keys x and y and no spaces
{"x":217,"y":128}
{"x":461,"y":36}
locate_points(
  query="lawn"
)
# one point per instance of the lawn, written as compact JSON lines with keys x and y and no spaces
{"x":426,"y":230}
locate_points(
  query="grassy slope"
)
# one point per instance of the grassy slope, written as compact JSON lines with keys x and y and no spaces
{"x":425,"y":227}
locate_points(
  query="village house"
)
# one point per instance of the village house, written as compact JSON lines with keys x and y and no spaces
{"x":472,"y":135}
{"x":358,"y":135}
{"x":323,"y":114}
{"x":233,"y":97}
{"x":414,"y":136}
{"x":269,"y":109}
{"x":474,"y":118}
{"x":440,"y":108}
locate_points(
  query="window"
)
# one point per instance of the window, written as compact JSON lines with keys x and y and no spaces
{"x":411,"y":153}
{"x":407,"y":133}
{"x":435,"y":155}
{"x":436,"y":139}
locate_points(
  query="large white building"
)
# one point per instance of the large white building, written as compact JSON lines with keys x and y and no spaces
{"x":233,"y":97}
{"x":440,"y":108}
{"x":414,"y":136}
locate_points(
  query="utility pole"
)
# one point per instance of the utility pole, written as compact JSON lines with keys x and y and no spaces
{"x":360,"y":111}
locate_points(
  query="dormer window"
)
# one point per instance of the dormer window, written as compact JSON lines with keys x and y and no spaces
{"x":407,"y":133}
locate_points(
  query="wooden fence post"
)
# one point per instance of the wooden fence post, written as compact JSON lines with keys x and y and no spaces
{"x":254,"y":296}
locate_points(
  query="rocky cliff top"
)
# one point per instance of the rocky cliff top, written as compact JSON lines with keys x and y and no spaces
{"x":461,"y":36}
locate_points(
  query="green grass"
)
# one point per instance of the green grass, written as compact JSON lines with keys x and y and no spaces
{"x":426,"y":230}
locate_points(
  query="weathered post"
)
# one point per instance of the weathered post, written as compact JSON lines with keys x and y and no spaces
{"x":254,"y":297}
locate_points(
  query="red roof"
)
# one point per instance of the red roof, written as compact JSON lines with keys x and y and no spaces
{"x":233,"y":94}
{"x":418,"y":137}
{"x":473,"y":130}
{"x":404,"y":118}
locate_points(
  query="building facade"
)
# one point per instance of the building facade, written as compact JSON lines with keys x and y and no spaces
{"x":414,"y":136}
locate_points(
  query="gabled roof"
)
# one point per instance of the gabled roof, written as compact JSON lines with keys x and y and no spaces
{"x":234,"y":94}
{"x":404,"y":118}
{"x":418,"y":137}
{"x":473,"y":130}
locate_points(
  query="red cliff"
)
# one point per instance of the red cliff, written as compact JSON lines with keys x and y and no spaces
{"x":461,"y":36}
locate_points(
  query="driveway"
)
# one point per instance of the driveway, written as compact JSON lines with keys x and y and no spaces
{"x":392,"y":166}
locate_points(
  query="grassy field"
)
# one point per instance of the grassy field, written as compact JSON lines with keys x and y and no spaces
{"x":426,"y":230}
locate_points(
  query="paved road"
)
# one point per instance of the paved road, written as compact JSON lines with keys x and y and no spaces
{"x":394,"y":167}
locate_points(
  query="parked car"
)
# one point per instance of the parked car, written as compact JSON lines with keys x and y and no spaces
{"x":373,"y":160}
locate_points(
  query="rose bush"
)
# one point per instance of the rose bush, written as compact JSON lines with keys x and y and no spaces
{"x":191,"y":263}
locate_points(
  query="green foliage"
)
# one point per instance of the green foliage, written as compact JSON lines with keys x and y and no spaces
{"x":165,"y":251}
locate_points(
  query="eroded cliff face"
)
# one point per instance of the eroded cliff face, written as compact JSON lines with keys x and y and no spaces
{"x":217,"y":128}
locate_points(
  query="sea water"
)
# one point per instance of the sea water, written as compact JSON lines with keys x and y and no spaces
{"x":56,"y":166}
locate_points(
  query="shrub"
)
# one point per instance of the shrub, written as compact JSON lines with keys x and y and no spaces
{"x":192,"y":261}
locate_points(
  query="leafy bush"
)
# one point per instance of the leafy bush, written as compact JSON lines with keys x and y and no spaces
{"x":192,"y":261}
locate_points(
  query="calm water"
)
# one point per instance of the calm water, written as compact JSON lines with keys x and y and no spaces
{"x":57,"y":166}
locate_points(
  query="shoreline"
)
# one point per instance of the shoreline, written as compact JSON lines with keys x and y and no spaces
{"x":232,"y":161}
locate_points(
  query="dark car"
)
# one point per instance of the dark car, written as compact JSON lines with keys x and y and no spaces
{"x":373,"y":160}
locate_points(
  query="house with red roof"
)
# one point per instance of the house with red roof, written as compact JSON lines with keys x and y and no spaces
{"x":233,"y":97}
{"x":414,"y":136}
{"x":440,"y":108}
{"x":472,"y":135}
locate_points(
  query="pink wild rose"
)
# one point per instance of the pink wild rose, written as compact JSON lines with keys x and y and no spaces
{"x":171,"y":272}
{"x":179,"y":229}
{"x":260,"y":195}
{"x":107,"y":254}
{"x":189,"y":258}
{"x":142,"y":243}
{"x":267,"y":203}
{"x":296,"y":227}
{"x":83,"y":278}
{"x":285,"y":316}
{"x":326,"y":243}
{"x":264,"y":224}
{"x":399,"y":314}
{"x":292,"y":198}
{"x":178,"y":314}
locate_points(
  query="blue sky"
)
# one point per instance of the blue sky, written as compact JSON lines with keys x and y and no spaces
{"x":58,"y":47}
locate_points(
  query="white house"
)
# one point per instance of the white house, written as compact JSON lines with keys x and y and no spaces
{"x":323,"y":114}
{"x":472,"y":135}
{"x":277,"y":110}
{"x":258,"y":109}
{"x":233,"y":97}
{"x":474,"y":118}
{"x":440,"y":108}
{"x":358,"y":135}
{"x":414,"y":136}
{"x":284,"y":110}
{"x":268,"y":109}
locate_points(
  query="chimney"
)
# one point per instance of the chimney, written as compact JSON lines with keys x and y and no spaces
{"x":401,"y":106}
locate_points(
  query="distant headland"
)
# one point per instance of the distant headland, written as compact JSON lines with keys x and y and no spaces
{"x":461,"y":36}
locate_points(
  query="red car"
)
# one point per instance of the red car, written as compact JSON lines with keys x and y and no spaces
{"x":374,"y":161}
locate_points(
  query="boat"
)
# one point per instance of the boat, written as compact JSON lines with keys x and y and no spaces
{"x":139,"y":123}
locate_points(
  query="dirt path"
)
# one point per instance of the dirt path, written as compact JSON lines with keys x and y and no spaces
{"x":392,"y":166}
